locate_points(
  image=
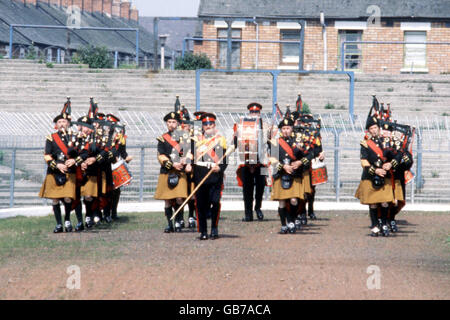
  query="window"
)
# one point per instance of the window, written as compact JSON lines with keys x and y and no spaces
{"x":290,"y":51}
{"x":235,"y":48}
{"x":353,"y":52}
{"x":415,"y":55}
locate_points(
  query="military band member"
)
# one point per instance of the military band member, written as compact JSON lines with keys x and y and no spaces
{"x":251,"y":176}
{"x":172,"y":182}
{"x":60,"y":181}
{"x":210,"y":147}
{"x":288,"y":186}
{"x":377,"y":187}
{"x":186,"y":142}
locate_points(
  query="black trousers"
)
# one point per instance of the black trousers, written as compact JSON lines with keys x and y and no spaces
{"x":252,"y":183}
{"x":207,"y":199}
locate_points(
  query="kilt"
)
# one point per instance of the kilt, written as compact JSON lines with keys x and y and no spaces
{"x":307,"y":182}
{"x":50,"y":190}
{"x":90,"y":188}
{"x":163,"y":192}
{"x":368,"y":195}
{"x":297,"y":190}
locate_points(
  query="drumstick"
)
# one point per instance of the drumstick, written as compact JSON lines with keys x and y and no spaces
{"x":229,"y":151}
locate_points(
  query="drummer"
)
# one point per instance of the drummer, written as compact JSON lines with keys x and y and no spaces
{"x":251,"y":175}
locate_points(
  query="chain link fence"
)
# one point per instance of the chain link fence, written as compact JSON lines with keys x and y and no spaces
{"x":23,"y":137}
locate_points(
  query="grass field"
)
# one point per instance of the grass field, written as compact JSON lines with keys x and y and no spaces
{"x":134,"y":259}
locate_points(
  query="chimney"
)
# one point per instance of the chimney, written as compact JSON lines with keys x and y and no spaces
{"x":116,"y":8}
{"x":134,"y":14}
{"x":66,"y":3}
{"x":97,"y":6}
{"x":107,"y":7}
{"x":79,"y":4}
{"x":88,"y":5}
{"x":54,"y":2}
{"x":125,"y":9}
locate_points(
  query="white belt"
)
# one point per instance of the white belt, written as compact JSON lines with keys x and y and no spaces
{"x":204,"y":164}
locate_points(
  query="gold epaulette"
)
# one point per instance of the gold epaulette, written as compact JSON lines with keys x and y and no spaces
{"x":49,"y":137}
{"x":364,"y":143}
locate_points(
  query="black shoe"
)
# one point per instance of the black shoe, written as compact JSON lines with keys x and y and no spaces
{"x":393,"y":226}
{"x":177,"y":227}
{"x":247,"y":219}
{"x":68,"y":227}
{"x":204,"y":236}
{"x":115,"y":217}
{"x":79,"y":227}
{"x":385,"y":230}
{"x":259,"y":214}
{"x":108,"y":219}
{"x":284,"y":230}
{"x":303,"y":219}
{"x":58,"y":229}
{"x":298,"y":224}
{"x":182,"y":224}
{"x":214,"y":234}
{"x":375,"y":231}
{"x":191,"y":223}
{"x":312,"y":216}
{"x":168,"y":229}
{"x":89,"y":224}
{"x":291,"y":227}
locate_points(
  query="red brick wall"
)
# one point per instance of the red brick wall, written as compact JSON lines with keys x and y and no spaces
{"x":438,"y":56}
{"x":107,"y":6}
{"x":376,"y":58}
{"x":116,"y":8}
{"x":125,"y":10}
{"x":134,"y":14}
{"x":97,"y":5}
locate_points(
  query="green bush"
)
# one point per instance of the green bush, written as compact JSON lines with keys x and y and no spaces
{"x":31,"y":54}
{"x":330,"y":106}
{"x":306,"y":108}
{"x":193,"y":62}
{"x":49,"y":65}
{"x":95,"y":57}
{"x":1,"y":56}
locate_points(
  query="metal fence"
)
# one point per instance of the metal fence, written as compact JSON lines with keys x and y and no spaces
{"x":22,"y":142}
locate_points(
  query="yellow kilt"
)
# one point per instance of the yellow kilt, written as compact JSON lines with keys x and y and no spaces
{"x":297,"y":190}
{"x":368,"y":195}
{"x":307,"y":182}
{"x":90,"y":188}
{"x":50,"y":190}
{"x":163,"y":192}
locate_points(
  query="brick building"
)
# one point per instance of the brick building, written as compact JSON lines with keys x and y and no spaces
{"x":346,"y":20}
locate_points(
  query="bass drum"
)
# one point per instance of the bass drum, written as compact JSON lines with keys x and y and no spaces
{"x":250,"y":140}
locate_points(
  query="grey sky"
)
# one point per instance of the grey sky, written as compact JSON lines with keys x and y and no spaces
{"x":167,"y":8}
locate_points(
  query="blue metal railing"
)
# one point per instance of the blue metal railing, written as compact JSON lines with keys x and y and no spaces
{"x":12,"y":26}
{"x":275,"y":74}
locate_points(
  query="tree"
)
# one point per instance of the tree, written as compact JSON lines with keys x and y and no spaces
{"x":95,"y":57}
{"x":193,"y":62}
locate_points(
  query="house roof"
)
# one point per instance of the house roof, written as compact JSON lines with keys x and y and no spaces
{"x":333,"y":9}
{"x":12,"y":12}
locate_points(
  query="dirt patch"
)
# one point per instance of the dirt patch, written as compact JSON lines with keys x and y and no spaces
{"x":329,"y":259}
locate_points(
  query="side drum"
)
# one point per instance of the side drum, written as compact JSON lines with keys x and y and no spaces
{"x":121,"y":174}
{"x":319,"y":173}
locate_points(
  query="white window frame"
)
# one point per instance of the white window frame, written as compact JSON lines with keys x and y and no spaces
{"x":220,"y":24}
{"x":420,"y":69}
{"x":350,"y":25}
